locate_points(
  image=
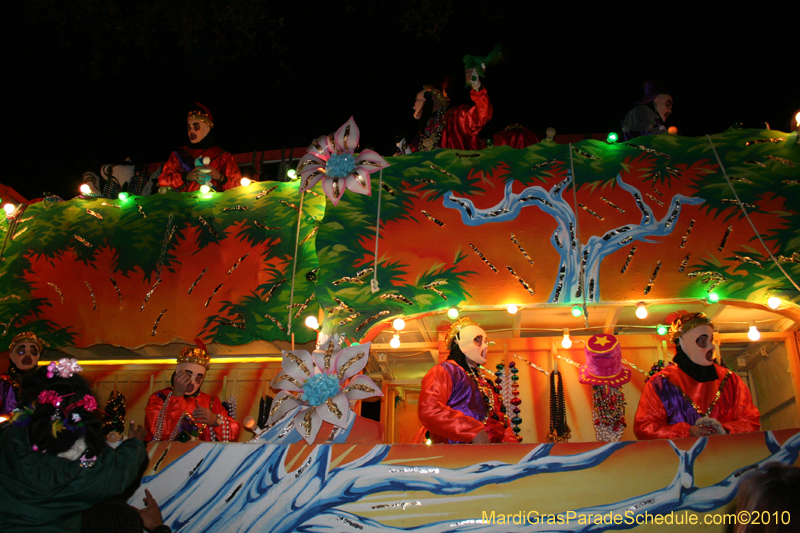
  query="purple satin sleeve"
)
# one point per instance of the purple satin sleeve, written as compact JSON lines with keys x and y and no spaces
{"x":676,"y":406}
{"x":8,"y":400}
{"x":465,"y":398}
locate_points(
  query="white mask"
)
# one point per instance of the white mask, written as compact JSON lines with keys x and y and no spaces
{"x":698,"y":345}
{"x":472,"y":341}
{"x":196,"y":129}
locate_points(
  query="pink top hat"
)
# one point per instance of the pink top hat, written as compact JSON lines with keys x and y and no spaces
{"x":604,"y":362}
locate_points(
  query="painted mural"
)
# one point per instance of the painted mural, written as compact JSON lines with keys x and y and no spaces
{"x":376,"y":488}
{"x":547,"y":224}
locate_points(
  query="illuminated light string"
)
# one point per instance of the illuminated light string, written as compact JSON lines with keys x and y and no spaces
{"x":747,"y":216}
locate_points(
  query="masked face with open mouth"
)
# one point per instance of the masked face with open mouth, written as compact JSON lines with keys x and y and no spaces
{"x":25,"y":355}
{"x":473,"y":342}
{"x":698,"y":344}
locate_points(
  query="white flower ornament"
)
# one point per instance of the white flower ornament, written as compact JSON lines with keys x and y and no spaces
{"x":331,"y":159}
{"x":326,"y":382}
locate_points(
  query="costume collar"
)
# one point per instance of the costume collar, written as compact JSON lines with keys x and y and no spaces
{"x":701,"y":374}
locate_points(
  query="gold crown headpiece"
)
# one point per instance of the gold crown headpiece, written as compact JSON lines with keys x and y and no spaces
{"x":685,"y":323}
{"x":202,"y":114}
{"x":26,"y":336}
{"x":196,"y":356}
{"x":439,"y":94}
{"x":456,"y":328}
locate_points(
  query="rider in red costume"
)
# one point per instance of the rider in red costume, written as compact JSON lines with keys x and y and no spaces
{"x":694,"y":397}
{"x":182,"y":412}
{"x":456,"y":128}
{"x":181,"y":173}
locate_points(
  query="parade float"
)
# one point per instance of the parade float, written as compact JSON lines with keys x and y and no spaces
{"x":544,"y":246}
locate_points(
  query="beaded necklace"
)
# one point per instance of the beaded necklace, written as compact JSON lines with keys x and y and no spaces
{"x":694,"y":405}
{"x":433,"y":131}
{"x":485,"y":390}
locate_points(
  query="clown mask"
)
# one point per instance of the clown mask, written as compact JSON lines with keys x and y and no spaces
{"x":197,"y":129}
{"x":698,"y":345}
{"x":663,"y":106}
{"x":25,"y":355}
{"x":472,"y":341}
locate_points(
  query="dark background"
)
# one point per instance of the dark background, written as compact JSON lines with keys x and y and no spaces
{"x":91,"y":82}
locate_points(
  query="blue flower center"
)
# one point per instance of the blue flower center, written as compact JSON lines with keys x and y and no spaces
{"x":340,"y":165}
{"x":319,"y":388}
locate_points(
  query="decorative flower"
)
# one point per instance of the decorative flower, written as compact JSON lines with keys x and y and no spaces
{"x":76,"y":417}
{"x":332,"y":160}
{"x":51,"y":397}
{"x":65,"y":368}
{"x":326,"y":381}
{"x":88,"y":402}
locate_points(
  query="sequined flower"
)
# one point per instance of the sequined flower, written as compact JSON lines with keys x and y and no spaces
{"x":88,"y":402}
{"x":50,"y":397}
{"x":331,"y":159}
{"x":65,"y":368}
{"x":321,"y":385}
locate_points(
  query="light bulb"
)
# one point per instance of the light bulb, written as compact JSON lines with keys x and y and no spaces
{"x":661,"y":329}
{"x":428,"y":442}
{"x":672,"y":130}
{"x":753,"y":334}
{"x":452,"y":313}
{"x":797,"y":119}
{"x":123,"y":196}
{"x":641,"y":311}
{"x":512,"y":308}
{"x":398,"y":324}
{"x":566,"y":343}
{"x":85,"y":189}
{"x":395,"y":342}
{"x":9,"y":208}
{"x":312,"y":322}
{"x":774,"y":302}
{"x":245,"y":182}
{"x":713,"y":297}
{"x":577,"y":311}
{"x":612,"y":137}
{"x":249,"y":422}
{"x":291,"y":173}
{"x":551,"y":133}
{"x":205,"y":189}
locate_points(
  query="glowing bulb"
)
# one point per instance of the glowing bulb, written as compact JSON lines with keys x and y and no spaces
{"x":566,"y":343}
{"x":205,"y":189}
{"x":123,"y":196}
{"x":428,"y":442}
{"x":713,"y":297}
{"x":612,"y":137}
{"x":672,"y":130}
{"x":395,"y":342}
{"x":311,"y":321}
{"x":9,"y":208}
{"x":661,"y":329}
{"x":512,"y":309}
{"x":753,"y":334}
{"x":249,"y":422}
{"x":398,"y":324}
{"x":452,"y":313}
{"x":641,"y":311}
{"x":85,"y":189}
{"x":245,"y":182}
{"x":797,"y":119}
{"x":774,"y":302}
{"x":292,"y":173}
{"x":577,"y":311}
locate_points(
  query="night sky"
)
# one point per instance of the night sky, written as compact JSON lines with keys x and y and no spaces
{"x":90,"y":82}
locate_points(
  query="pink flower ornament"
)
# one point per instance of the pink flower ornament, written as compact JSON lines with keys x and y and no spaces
{"x":64,"y":368}
{"x":50,"y":397}
{"x":331,"y":159}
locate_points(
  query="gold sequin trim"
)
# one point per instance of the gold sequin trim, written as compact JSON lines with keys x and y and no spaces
{"x":333,"y":408}
{"x":349,"y":363}
{"x":359,"y":386}
{"x":299,"y":362}
{"x":276,"y":404}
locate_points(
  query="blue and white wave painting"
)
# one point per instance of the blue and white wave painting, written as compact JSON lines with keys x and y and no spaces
{"x":245,"y":488}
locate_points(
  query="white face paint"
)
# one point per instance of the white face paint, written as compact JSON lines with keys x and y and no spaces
{"x":664,"y":106}
{"x":196,"y":372}
{"x":698,"y":345}
{"x":25,"y":355}
{"x":472,"y":341}
{"x":197,"y":130}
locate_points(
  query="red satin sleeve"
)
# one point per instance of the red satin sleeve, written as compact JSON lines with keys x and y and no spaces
{"x":233,"y":425}
{"x":434,"y":413}
{"x":227,"y":167}
{"x":465,"y":122}
{"x":739,"y":414}
{"x":651,"y":418}
{"x":171,"y":173}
